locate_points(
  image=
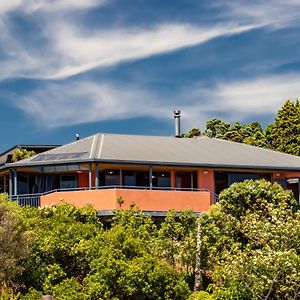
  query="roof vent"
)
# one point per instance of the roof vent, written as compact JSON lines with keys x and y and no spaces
{"x":177,"y":123}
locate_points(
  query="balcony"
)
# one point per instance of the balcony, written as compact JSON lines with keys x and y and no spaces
{"x":108,"y":198}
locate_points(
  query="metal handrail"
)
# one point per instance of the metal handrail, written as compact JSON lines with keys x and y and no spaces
{"x":34,"y":199}
{"x":116,"y":187}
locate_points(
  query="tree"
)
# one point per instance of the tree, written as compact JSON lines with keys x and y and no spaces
{"x":284,"y":134}
{"x":195,"y":132}
{"x":14,"y":244}
{"x":60,"y":249}
{"x":73,"y":257}
{"x":20,"y":154}
{"x":254,"y":135}
{"x":216,"y":128}
{"x":177,"y":240}
{"x":251,"y":243}
{"x":128,"y":267}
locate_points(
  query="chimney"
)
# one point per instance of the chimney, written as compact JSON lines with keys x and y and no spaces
{"x":177,"y":123}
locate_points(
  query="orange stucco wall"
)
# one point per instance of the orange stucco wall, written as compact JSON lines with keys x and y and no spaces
{"x":206,"y":180}
{"x":280,"y":174}
{"x":146,"y":200}
{"x":83,"y":180}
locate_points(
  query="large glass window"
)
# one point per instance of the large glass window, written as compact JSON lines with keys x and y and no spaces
{"x":239,"y":177}
{"x":22,"y":184}
{"x":142,"y":178}
{"x":221,"y":181}
{"x":68,"y":181}
{"x":293,"y":185}
{"x":161,"y":179}
{"x":112,"y":178}
{"x":2,"y":187}
{"x":128,"y":178}
{"x":224,"y":179}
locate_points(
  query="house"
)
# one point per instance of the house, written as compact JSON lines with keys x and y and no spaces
{"x":157,"y":173}
{"x":7,"y":155}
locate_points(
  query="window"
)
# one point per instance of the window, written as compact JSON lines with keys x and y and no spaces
{"x":239,"y":177}
{"x":142,"y":178}
{"x":22,"y":184}
{"x":68,"y":181}
{"x":128,"y":178}
{"x":224,"y":179}
{"x":112,"y":178}
{"x":161,"y":179}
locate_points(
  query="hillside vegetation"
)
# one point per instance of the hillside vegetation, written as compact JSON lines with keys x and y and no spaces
{"x":250,"y":249}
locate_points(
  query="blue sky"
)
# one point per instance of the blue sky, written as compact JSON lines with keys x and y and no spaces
{"x":87,"y":66}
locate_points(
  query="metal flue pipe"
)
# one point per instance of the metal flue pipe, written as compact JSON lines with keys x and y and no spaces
{"x":177,"y":123}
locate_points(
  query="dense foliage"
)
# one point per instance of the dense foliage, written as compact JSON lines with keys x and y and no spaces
{"x":73,"y":257}
{"x":251,"y":241}
{"x":20,"y":154}
{"x":250,"y":249}
{"x":282,"y":135}
{"x":14,"y":243}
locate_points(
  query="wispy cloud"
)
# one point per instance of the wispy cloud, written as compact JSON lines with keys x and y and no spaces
{"x":32,"y":6}
{"x":244,"y":99}
{"x":276,"y":13}
{"x":82,"y":102}
{"x":71,"y":51}
{"x":65,"y":104}
{"x":111,"y":47}
{"x":69,"y":48}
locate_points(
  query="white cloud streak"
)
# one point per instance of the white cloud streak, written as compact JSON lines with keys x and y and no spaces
{"x":276,"y":13}
{"x":74,"y":103}
{"x":72,"y":50}
{"x":245,"y":99}
{"x":107,"y":48}
{"x":82,"y":102}
{"x":32,"y":6}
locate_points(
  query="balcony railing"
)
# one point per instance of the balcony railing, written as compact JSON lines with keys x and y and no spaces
{"x":35,"y":199}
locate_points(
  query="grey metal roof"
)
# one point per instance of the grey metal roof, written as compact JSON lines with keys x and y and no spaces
{"x":5,"y":157}
{"x":161,"y":150}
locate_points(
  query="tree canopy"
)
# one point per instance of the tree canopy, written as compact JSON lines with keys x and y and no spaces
{"x":20,"y":154}
{"x":281,"y":135}
{"x":251,"y":243}
{"x":250,"y":249}
{"x":14,"y":244}
{"x":284,"y":134}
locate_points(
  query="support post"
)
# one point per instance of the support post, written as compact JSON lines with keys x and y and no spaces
{"x":150,"y":177}
{"x":173,"y":180}
{"x":198,"y":284}
{"x":97,"y":177}
{"x":15,"y":183}
{"x":121,"y":177}
{"x":90,"y":176}
{"x":4,"y":184}
{"x":10,"y":184}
